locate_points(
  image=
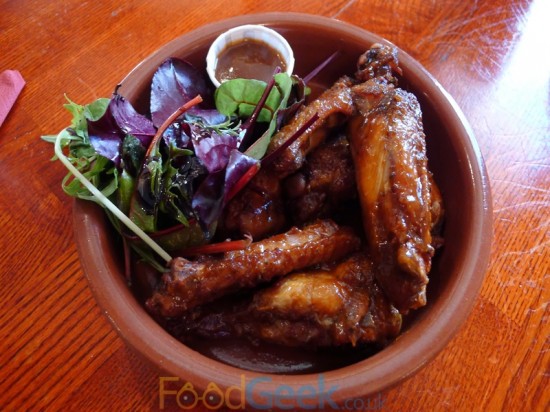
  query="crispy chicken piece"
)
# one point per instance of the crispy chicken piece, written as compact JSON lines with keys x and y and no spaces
{"x":192,"y":283}
{"x":340,"y":304}
{"x":323,"y":184}
{"x":389,"y":153}
{"x":333,"y":107}
{"x":378,"y":62}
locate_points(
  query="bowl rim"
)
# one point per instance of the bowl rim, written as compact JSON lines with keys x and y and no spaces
{"x":363,"y":378}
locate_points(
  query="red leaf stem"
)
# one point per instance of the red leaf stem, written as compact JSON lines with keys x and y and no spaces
{"x":248,"y":126}
{"x":213,"y":248}
{"x":245,"y":178}
{"x":273,"y":155}
{"x":193,"y":102}
{"x":316,"y":71}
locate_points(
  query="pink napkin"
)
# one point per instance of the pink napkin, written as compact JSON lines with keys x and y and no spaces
{"x":11,"y":84}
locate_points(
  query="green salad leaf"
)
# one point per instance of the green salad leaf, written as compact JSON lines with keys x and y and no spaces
{"x":239,"y":97}
{"x":96,"y":168}
{"x":167,"y":178}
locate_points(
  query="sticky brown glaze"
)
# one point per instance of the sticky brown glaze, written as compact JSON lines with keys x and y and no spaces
{"x":333,"y":107}
{"x":378,"y":62}
{"x":258,"y":210}
{"x":389,"y":152}
{"x":339,"y":305}
{"x":192,"y":283}
{"x":323,"y":184}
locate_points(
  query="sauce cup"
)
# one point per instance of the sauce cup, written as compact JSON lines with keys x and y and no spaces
{"x":248,"y":32}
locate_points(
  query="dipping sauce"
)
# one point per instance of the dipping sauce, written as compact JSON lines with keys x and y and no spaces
{"x":248,"y":59}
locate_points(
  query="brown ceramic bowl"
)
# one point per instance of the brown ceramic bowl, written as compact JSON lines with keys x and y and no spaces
{"x":457,"y":271}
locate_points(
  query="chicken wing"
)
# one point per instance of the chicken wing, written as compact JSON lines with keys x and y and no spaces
{"x":333,"y":107}
{"x":258,"y":209}
{"x":337,"y":305}
{"x":192,"y":283}
{"x":389,"y":152}
{"x":323,"y":184}
{"x":330,"y":307}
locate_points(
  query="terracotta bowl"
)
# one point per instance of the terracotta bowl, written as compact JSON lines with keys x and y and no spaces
{"x":456,"y":276}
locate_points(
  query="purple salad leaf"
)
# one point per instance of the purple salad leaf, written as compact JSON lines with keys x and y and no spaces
{"x":194,"y":82}
{"x":120,"y":119}
{"x":174,"y":83}
{"x":207,"y":116}
{"x":212,"y":148}
{"x":213,"y":193}
{"x":207,"y":201}
{"x":131,"y":122}
{"x":177,"y":135}
{"x":237,"y":166}
{"x":105,"y":136}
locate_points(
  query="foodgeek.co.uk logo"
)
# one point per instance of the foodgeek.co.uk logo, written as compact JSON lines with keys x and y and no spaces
{"x":250,"y":394}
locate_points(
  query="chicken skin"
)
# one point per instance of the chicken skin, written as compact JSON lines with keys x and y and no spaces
{"x":323,"y":184}
{"x":336,"y":305}
{"x":258,"y":209}
{"x":389,"y":152}
{"x":192,"y":283}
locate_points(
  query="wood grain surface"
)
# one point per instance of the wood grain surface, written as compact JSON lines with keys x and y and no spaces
{"x":58,"y":352}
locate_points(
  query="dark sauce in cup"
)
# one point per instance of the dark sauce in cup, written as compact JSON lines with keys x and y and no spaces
{"x":248,"y":59}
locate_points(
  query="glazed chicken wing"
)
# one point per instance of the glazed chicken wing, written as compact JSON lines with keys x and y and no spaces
{"x":323,"y":184}
{"x":340,"y":304}
{"x":333,"y":107}
{"x":389,"y":153}
{"x":193,"y":283}
{"x":332,"y":307}
{"x":258,"y":209}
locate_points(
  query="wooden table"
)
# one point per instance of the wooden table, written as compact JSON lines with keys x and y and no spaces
{"x":57,"y":350}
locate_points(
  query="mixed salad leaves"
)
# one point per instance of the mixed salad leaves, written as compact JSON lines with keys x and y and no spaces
{"x":170,"y":172}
